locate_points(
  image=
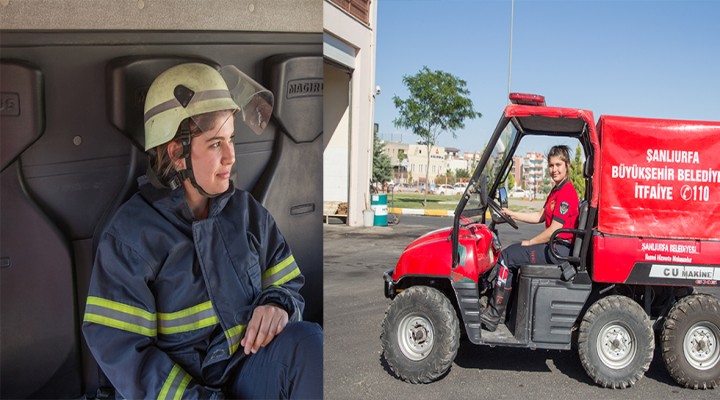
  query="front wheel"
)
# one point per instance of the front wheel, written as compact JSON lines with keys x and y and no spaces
{"x":616,"y":342}
{"x":691,"y":342}
{"x":420,"y":335}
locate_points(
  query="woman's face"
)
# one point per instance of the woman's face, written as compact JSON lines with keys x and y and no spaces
{"x":213,"y":155}
{"x":558,"y":169}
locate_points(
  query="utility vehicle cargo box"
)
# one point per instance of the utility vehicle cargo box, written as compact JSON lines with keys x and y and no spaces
{"x":659,"y":201}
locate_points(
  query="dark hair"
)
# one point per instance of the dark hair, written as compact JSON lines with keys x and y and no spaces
{"x":159,"y":159}
{"x":561,"y":151}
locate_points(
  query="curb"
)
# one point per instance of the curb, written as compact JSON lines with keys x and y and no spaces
{"x":427,"y":213}
{"x":419,"y":211}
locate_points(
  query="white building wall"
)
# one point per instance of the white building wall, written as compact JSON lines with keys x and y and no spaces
{"x":341,"y":27}
{"x":457,"y":163}
{"x":336,"y":136}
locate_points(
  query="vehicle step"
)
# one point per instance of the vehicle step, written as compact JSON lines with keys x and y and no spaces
{"x":501,"y":335}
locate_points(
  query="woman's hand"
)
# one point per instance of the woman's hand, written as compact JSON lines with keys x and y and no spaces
{"x":508,"y":212}
{"x":267,"y":322}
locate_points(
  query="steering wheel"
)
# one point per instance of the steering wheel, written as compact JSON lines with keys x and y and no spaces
{"x":496,"y":208}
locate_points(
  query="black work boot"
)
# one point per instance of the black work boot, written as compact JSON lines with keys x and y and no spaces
{"x":491,"y":315}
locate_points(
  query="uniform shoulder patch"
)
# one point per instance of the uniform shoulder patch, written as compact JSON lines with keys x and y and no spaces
{"x":564,"y":207}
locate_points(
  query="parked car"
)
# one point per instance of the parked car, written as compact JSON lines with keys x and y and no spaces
{"x":518,"y":193}
{"x":459,"y":188}
{"x":443,"y":189}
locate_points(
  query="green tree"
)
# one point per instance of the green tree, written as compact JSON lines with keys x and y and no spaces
{"x":448,"y":178}
{"x":511,"y":181}
{"x":462,"y":173}
{"x":438,"y":102}
{"x":576,"y":172}
{"x":382,"y":170}
{"x":547,"y":186}
{"x":401,"y":156}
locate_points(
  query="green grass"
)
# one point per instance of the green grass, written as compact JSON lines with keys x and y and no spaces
{"x":439,"y":202}
{"x":415,"y":200}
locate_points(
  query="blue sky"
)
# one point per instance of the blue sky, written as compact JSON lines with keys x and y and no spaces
{"x":655,"y":59}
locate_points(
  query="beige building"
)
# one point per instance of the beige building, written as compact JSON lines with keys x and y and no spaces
{"x":534,"y":167}
{"x":412,"y":169}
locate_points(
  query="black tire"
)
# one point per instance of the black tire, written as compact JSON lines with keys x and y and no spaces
{"x":420,"y":335}
{"x":691,"y":342}
{"x":616,"y":342}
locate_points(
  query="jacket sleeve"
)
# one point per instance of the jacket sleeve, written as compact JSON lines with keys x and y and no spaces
{"x":120,"y":328}
{"x":281,"y":276}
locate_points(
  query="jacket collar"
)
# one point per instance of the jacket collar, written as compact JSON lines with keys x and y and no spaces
{"x":173,"y":201}
{"x":558,"y":187}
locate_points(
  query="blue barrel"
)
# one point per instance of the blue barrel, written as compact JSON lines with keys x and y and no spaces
{"x":378,"y":204}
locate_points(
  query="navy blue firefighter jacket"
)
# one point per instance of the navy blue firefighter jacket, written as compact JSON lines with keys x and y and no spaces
{"x":170,"y":297}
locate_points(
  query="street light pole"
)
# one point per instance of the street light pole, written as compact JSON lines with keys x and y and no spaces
{"x":512,"y":18}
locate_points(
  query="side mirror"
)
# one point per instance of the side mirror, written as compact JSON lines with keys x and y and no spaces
{"x":483,"y":190}
{"x":503,"y":197}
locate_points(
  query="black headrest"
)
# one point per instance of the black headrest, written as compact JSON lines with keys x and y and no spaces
{"x":297,"y":82}
{"x":588,"y":168}
{"x":22,"y":109}
{"x":128,"y":80}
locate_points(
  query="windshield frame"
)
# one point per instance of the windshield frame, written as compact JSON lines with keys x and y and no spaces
{"x":528,"y":121}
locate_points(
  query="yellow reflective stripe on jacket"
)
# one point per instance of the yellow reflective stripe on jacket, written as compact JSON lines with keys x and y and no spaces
{"x":175,"y":384}
{"x":234,"y":336}
{"x":281,"y":273}
{"x":120,"y":316}
{"x":189,"y":319}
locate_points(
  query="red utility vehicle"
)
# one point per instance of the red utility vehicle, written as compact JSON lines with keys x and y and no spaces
{"x":647,"y":237}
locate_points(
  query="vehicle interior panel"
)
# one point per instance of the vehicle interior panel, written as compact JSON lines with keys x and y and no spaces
{"x":73,"y":155}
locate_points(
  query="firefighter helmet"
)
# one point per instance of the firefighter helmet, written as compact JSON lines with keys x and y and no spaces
{"x":188,"y":90}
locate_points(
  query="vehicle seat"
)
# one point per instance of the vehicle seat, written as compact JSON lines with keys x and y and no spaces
{"x":568,"y":268}
{"x":288,"y":187}
{"x":39,"y":346}
{"x":580,"y":237}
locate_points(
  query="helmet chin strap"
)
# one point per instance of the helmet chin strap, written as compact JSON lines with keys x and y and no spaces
{"x":176,"y":180}
{"x":188,"y":171}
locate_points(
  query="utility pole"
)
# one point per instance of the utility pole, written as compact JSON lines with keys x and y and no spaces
{"x":512,"y":18}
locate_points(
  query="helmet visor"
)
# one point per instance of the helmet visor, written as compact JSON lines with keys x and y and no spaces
{"x":245,"y":100}
{"x":254,"y":101}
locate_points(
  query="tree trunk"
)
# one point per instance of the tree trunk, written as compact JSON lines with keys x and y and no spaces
{"x":427,"y":175}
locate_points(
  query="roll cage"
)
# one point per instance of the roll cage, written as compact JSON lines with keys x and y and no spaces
{"x":523,"y":121}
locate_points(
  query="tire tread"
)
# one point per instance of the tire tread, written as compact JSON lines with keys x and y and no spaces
{"x":447,"y":336}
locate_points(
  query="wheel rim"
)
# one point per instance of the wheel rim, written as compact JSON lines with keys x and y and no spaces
{"x":416,"y":336}
{"x":616,"y":345}
{"x":701,"y":345}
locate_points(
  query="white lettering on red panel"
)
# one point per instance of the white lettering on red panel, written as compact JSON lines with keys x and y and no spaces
{"x":684,"y":272}
{"x":668,"y":175}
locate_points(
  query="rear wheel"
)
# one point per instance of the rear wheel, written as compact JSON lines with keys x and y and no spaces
{"x":616,"y":342}
{"x":691,"y":342}
{"x":420,"y":335}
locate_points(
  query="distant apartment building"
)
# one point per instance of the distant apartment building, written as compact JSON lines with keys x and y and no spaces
{"x":409,"y":162}
{"x":411,"y":169}
{"x":454,"y":161}
{"x":517,"y":172}
{"x":534,"y":172}
{"x":472,"y":159}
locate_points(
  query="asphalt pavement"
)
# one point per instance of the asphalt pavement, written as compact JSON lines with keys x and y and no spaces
{"x":354,"y":307}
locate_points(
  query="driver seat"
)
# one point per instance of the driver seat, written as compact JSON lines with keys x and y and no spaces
{"x":568,"y":268}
